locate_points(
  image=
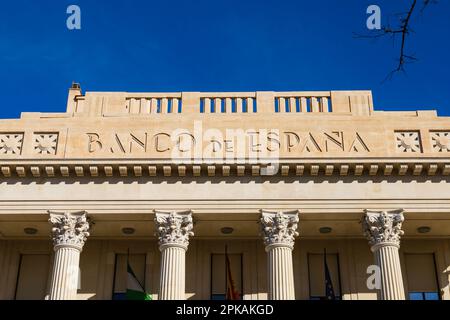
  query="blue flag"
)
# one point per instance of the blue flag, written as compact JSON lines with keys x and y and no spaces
{"x":329,"y":291}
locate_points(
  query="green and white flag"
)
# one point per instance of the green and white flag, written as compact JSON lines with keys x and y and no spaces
{"x":135,"y":291}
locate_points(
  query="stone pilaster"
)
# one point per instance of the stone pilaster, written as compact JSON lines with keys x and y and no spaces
{"x":383,"y":229}
{"x":69,"y":233}
{"x":173,"y":229}
{"x":279,"y":232}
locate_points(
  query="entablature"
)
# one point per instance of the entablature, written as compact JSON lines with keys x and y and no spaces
{"x":229,"y":133}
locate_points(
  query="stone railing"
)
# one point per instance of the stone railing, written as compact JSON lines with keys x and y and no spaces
{"x":114,"y":104}
{"x":286,"y":102}
{"x":228,"y":102}
{"x":155,"y":103}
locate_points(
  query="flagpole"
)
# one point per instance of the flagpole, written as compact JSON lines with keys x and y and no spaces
{"x":131,"y":273}
{"x":329,"y":290}
{"x":325,"y":271}
{"x":226,"y":272}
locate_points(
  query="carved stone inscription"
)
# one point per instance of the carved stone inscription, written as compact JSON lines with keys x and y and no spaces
{"x":237,"y":143}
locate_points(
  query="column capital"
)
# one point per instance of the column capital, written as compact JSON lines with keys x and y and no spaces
{"x":174,"y":228}
{"x":383,"y":227}
{"x":70,"y":229}
{"x":278,"y":228}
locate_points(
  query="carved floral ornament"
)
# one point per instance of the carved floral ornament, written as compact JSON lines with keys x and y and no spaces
{"x":11,"y":143}
{"x":45,"y":143}
{"x":69,"y":228}
{"x":408,"y":141}
{"x":174,"y":228}
{"x":383,"y":227}
{"x":279,"y":228}
{"x":440,"y":141}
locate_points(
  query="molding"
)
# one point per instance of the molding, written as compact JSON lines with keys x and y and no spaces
{"x":97,"y":169}
{"x":115,"y":208}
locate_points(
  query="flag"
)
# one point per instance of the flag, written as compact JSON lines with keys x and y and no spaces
{"x":231,"y":292}
{"x":135,"y":291}
{"x":329,"y":291}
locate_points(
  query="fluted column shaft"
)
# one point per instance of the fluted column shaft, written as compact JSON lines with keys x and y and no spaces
{"x":279,"y":231}
{"x":64,"y":282}
{"x":172,"y":283}
{"x":70,"y":231}
{"x":280,"y":273}
{"x":387,"y":258}
{"x":383,"y":230}
{"x":174,"y":230}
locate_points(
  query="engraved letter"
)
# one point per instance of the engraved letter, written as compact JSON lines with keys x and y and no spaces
{"x":336,"y":138}
{"x":142,"y":143}
{"x":311,"y":144}
{"x":292,"y":140}
{"x":254,"y":145}
{"x":185,"y":141}
{"x":273,"y":143}
{"x":158,"y":137}
{"x":216,"y":145}
{"x":358,"y":145}
{"x":94,"y":143}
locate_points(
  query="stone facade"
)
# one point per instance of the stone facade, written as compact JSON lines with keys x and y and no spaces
{"x":273,"y":177}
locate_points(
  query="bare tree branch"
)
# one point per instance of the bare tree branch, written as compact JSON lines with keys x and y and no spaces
{"x":404,"y":29}
{"x":426,"y":3}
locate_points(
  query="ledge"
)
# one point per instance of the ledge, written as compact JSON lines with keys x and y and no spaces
{"x":164,"y":168}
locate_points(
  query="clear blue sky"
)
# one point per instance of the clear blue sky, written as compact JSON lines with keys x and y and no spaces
{"x":216,"y":45}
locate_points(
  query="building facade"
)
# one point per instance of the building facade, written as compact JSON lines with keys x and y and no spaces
{"x":203,"y":192}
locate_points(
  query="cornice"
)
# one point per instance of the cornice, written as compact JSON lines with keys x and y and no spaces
{"x":138,"y":168}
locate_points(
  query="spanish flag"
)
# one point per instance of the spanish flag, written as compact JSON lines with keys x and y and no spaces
{"x":231,"y":292}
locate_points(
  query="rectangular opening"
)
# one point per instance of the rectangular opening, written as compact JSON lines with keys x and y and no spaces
{"x":219,"y":275}
{"x":202,"y":106}
{"x":330,"y":106}
{"x":159,"y":108}
{"x":137,"y":263}
{"x":170,"y":105}
{"x":214,"y":108}
{"x":32,"y":277}
{"x":421,"y":276}
{"x":316,"y":272}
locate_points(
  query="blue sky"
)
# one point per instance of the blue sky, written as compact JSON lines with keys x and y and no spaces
{"x":216,"y":45}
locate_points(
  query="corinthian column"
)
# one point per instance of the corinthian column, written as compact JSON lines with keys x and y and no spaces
{"x":69,"y":232}
{"x":383,"y":229}
{"x":173,"y":230}
{"x":279,"y":232}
